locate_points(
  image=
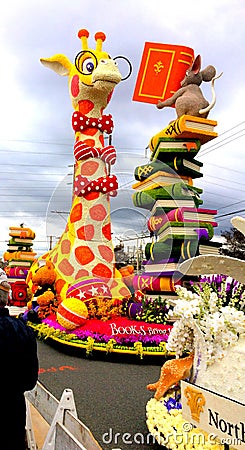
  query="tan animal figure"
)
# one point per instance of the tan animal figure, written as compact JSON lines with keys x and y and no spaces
{"x":189,"y":98}
{"x":172,"y":372}
{"x":85,"y":249}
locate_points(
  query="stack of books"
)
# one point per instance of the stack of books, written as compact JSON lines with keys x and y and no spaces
{"x":19,"y":256}
{"x":180,"y":226}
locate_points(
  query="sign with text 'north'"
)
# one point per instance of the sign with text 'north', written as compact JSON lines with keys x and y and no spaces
{"x":214,"y":414}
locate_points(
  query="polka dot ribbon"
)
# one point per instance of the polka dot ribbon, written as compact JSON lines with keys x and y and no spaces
{"x":105,"y":185}
{"x":80,"y":122}
{"x":84,"y":151}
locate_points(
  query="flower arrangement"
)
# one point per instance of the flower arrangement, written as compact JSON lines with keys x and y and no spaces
{"x":216,"y":306}
{"x":104,"y":309}
{"x":167,"y":426}
{"x":102,"y":335}
{"x":154,"y":310}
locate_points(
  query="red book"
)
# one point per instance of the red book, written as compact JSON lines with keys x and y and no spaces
{"x":184,"y":214}
{"x":162,"y":68}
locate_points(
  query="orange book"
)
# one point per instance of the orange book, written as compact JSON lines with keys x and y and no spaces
{"x":162,"y":68}
{"x":186,"y":126}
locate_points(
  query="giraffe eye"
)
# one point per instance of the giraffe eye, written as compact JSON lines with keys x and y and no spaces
{"x":87,"y":66}
{"x":86,"y":62}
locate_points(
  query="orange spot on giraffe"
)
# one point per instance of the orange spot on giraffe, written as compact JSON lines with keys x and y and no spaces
{"x":81,"y":273}
{"x":89,"y":168}
{"x":84,"y":255}
{"x":101,"y":139}
{"x":109,"y":96}
{"x":86,"y":232}
{"x":98,"y":212}
{"x":92,"y":196}
{"x":65,"y":246}
{"x":106,"y":230}
{"x":89,"y":142}
{"x":75,"y":85}
{"x":59,"y":284}
{"x":124,"y":292}
{"x":113,"y":284}
{"x":85,"y":106}
{"x":55,"y":258}
{"x":106,"y":253}
{"x":76,"y":213}
{"x":101,"y":270}
{"x":90,"y":131}
{"x":65,"y":267}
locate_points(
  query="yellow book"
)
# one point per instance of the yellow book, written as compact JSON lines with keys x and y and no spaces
{"x":160,"y":178}
{"x":190,"y":127}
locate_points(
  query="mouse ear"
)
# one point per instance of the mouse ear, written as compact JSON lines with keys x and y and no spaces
{"x":196,"y":66}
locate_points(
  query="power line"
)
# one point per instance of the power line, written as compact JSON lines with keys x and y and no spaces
{"x":216,"y":146}
{"x":230,"y":213}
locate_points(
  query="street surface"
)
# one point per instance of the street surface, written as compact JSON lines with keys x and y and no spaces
{"x":110,"y":397}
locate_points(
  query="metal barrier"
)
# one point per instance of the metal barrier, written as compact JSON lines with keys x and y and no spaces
{"x":66,"y":431}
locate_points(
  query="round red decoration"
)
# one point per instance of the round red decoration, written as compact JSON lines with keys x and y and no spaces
{"x":98,"y":212}
{"x":101,"y":270}
{"x":84,"y":255}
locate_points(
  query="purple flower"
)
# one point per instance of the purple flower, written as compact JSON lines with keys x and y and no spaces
{"x":173,"y":403}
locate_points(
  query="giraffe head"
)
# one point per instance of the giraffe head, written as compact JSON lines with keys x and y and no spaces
{"x":93,"y":75}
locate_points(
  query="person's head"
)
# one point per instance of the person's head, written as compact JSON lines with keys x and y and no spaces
{"x":4,"y":293}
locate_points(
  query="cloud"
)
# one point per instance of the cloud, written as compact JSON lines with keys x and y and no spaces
{"x":36,"y":138}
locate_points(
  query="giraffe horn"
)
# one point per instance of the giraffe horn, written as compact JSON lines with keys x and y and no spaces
{"x":100,"y":37}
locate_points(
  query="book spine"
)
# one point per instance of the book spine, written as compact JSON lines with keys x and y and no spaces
{"x":182,"y":250}
{"x":143,"y":200}
{"x":143,"y":172}
{"x":153,"y":283}
{"x":154,"y":223}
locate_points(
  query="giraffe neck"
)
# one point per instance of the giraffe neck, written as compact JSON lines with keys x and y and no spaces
{"x":85,"y":248}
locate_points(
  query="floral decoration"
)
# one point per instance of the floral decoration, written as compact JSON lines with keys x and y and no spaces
{"x":169,"y":429}
{"x":104,"y":309}
{"x":216,"y":307}
{"x":154,"y":310}
{"x":96,"y":335}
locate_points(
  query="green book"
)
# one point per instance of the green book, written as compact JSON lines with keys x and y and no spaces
{"x":182,"y":230}
{"x":178,"y":165}
{"x":172,"y":193}
{"x":185,"y":249}
{"x":168,"y":148}
{"x":181,"y":249}
{"x":183,"y":166}
{"x":143,"y":172}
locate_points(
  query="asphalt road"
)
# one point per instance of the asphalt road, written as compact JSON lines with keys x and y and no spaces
{"x":110,"y":397}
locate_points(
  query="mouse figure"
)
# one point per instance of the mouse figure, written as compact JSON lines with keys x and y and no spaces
{"x":189,"y":98}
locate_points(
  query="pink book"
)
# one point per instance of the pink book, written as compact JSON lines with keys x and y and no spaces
{"x":184,"y":214}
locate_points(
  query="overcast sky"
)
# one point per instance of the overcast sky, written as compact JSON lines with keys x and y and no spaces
{"x":36,"y":138}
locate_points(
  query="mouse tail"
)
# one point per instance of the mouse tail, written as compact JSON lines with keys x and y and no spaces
{"x":213,"y":101}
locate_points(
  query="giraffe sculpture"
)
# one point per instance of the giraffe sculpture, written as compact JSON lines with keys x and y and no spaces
{"x":85,"y":248}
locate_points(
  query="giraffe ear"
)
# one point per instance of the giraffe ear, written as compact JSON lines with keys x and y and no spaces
{"x":58,"y":63}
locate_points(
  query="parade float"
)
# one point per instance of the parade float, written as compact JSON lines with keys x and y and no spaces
{"x":81,"y":298}
{"x":87,"y":302}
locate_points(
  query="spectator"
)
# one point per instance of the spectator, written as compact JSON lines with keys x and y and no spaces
{"x":18,"y":373}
